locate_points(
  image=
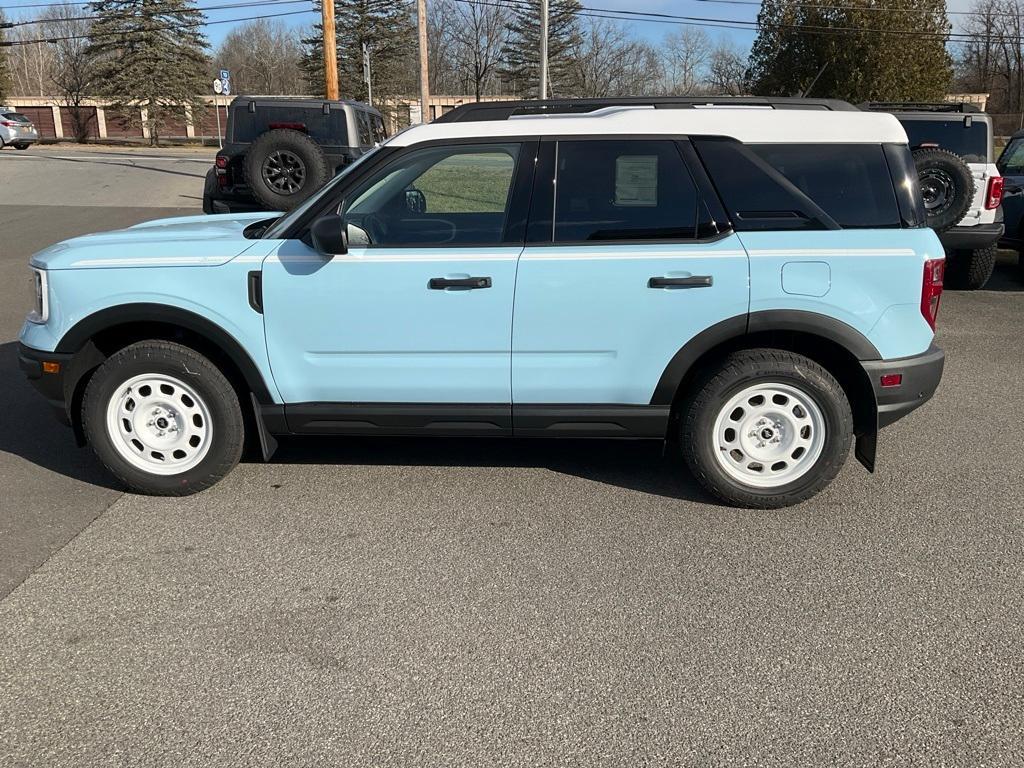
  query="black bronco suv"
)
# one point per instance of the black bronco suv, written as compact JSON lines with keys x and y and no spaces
{"x":279,"y":150}
{"x":953,"y":149}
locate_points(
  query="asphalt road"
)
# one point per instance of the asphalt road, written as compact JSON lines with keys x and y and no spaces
{"x":471,"y":602}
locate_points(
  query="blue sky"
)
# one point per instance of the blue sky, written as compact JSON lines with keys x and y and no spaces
{"x":650,"y":30}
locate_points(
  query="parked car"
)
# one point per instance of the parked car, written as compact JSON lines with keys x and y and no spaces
{"x":16,"y":130}
{"x":954,"y":152}
{"x":280,"y":150}
{"x":751,"y":281}
{"x":1011,"y":166}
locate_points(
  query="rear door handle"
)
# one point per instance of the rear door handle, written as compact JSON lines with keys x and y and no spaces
{"x":440,"y":283}
{"x":695,"y":281}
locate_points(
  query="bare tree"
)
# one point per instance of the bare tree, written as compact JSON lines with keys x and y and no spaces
{"x":685,"y":54}
{"x":727,"y":67}
{"x":30,"y":64}
{"x":479,"y":34}
{"x":264,"y":57}
{"x":73,"y":72}
{"x":608,"y":61}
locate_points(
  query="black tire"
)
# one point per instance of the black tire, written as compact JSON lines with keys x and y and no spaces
{"x":969,"y":270}
{"x":739,"y":370}
{"x":947,"y":186}
{"x":1020,"y":266}
{"x":207,"y":382}
{"x":209,"y":190}
{"x":283,"y":167}
{"x":22,"y":146}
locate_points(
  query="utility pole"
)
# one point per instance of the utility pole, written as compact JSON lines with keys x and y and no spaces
{"x":543,"y":49}
{"x":330,"y":50}
{"x":366,"y":74}
{"x":421,"y":25}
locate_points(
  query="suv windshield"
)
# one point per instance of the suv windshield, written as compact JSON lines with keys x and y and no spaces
{"x":970,"y":142}
{"x":282,"y":224}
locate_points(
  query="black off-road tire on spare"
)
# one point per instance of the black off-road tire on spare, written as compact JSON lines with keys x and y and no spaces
{"x":970,"y":269}
{"x":710,"y":396}
{"x":214,"y":396}
{"x":283,"y":167}
{"x":947,"y":186}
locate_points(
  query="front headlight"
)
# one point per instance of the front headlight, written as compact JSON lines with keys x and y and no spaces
{"x":41,"y":311}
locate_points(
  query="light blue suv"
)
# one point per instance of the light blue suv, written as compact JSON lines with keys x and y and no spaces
{"x":751,"y":281}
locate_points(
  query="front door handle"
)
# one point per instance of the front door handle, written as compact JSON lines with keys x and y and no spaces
{"x":440,"y":283}
{"x":695,"y":281}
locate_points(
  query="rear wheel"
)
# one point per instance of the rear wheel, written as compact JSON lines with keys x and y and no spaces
{"x":766,"y":429}
{"x":22,"y":146}
{"x":970,"y":269}
{"x":163,"y":419}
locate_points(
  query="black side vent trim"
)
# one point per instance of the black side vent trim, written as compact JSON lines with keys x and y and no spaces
{"x":256,"y":290}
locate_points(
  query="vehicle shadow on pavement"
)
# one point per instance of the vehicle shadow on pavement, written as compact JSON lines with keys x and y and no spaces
{"x":29,"y":430}
{"x":638,"y":465}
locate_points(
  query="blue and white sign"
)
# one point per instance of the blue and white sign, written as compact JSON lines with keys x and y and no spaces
{"x":225,"y":74}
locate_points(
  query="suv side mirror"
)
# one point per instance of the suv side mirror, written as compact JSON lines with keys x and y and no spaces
{"x":415,"y":201}
{"x":329,"y":236}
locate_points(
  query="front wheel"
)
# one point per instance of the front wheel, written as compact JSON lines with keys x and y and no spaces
{"x":766,"y":429}
{"x":163,"y":419}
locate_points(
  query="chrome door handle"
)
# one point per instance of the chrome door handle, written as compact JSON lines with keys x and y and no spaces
{"x":696,"y":281}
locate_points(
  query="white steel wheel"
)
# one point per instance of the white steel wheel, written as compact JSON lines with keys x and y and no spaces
{"x":159,"y":424}
{"x":768,"y":435}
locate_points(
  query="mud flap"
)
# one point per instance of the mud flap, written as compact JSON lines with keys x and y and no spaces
{"x":267,"y":442}
{"x":865,"y":448}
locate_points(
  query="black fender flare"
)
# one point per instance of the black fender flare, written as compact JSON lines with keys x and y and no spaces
{"x":80,"y":334}
{"x":812,"y":323}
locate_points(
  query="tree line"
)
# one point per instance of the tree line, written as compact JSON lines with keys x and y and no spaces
{"x":154,"y":53}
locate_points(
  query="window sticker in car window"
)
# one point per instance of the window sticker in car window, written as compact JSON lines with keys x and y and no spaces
{"x":636,"y":180}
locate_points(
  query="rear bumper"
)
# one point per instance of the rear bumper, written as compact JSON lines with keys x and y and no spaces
{"x":971,"y":238}
{"x":921,"y":375}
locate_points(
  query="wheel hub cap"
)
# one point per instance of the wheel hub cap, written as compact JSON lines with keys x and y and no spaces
{"x":284,"y":172}
{"x":159,"y":424}
{"x":768,"y":435}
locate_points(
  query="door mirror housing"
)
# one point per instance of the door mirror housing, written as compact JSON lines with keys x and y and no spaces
{"x":329,"y":236}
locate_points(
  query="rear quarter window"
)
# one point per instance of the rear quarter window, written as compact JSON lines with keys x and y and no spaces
{"x":850,"y":182}
{"x":16,"y":117}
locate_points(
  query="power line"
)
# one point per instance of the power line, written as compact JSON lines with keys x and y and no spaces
{"x":93,"y":17}
{"x":173,"y":28}
{"x":748,"y":26}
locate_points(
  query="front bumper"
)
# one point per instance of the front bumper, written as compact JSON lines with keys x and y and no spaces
{"x":921,"y":375}
{"x":971,"y":238}
{"x":49,"y":385}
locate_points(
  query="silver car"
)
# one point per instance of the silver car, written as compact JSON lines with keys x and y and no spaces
{"x":16,"y":130}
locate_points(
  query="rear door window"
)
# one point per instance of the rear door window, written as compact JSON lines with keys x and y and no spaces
{"x":365,"y":132}
{"x":968,"y":141}
{"x":624,"y":190}
{"x":851,"y":182}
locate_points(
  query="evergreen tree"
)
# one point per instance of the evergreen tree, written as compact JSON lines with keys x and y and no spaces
{"x":522,"y":53}
{"x":867,"y":58}
{"x":387,"y":28}
{"x":151,"y":55}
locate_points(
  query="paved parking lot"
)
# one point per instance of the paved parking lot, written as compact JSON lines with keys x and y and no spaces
{"x":473,"y":602}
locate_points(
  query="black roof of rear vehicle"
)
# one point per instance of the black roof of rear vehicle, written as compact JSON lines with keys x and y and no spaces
{"x":503,"y":110}
{"x":299,"y":102}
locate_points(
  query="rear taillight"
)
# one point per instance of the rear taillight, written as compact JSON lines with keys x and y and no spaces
{"x":931,"y":289}
{"x":7,"y":123}
{"x":994,"y":195}
{"x":221,"y":162}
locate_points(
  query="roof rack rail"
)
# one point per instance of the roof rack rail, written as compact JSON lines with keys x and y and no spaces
{"x":959,"y":107}
{"x":502,"y":110}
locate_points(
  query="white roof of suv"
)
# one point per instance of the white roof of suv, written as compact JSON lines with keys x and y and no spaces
{"x":749,"y":124}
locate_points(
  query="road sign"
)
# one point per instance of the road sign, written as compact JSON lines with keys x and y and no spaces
{"x":218,"y":87}
{"x":226,"y":87}
{"x":225,"y":74}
